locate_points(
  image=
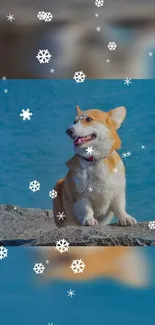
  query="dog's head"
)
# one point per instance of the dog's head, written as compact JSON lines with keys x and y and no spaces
{"x":96,"y":129}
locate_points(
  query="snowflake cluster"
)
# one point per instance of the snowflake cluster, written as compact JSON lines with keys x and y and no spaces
{"x":126,"y":154}
{"x":46,"y":16}
{"x":99,"y":3}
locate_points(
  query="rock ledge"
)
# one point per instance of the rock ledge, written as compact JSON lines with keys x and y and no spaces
{"x":36,"y":227}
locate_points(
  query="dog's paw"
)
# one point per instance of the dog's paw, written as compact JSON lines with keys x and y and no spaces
{"x":127,"y":220}
{"x":90,"y":221}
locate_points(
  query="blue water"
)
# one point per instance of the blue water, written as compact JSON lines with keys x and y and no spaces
{"x":25,"y":300}
{"x":38,"y":149}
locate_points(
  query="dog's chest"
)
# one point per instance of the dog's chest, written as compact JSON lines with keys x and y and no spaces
{"x":95,"y":178}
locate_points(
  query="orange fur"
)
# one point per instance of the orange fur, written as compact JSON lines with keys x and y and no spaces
{"x":114,"y":262}
{"x":112,"y":161}
{"x":105,"y":118}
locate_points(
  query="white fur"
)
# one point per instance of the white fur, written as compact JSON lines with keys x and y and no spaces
{"x":107,"y":198}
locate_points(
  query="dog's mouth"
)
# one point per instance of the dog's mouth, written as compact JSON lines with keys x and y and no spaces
{"x":81,"y":140}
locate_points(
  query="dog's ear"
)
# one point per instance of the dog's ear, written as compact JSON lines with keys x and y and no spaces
{"x":78,"y":110}
{"x":117,"y":116}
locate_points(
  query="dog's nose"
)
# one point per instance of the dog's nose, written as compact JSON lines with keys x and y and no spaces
{"x":70,"y":131}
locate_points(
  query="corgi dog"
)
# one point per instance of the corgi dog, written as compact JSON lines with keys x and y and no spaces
{"x":125,"y":264}
{"x":94,"y":188}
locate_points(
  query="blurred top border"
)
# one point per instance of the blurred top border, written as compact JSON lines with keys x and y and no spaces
{"x":77,"y":38}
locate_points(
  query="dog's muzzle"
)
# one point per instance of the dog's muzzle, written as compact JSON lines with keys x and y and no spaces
{"x":70,"y":131}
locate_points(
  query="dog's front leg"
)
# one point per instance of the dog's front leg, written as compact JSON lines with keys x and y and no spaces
{"x":84,"y":213}
{"x":118,"y":207}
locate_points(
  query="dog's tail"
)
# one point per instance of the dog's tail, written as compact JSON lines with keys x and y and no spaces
{"x":57,"y":203}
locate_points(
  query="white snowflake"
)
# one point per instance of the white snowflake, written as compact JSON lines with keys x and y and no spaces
{"x":41,"y":15}
{"x":79,"y":76}
{"x":107,"y":60}
{"x":143,"y":146}
{"x":127,"y":81}
{"x":112,"y":46}
{"x":96,"y":15}
{"x":99,"y":3}
{"x":44,"y":56}
{"x":3,"y":252}
{"x":128,"y":153}
{"x":3,"y":78}
{"x":150,"y":54}
{"x":89,"y":150}
{"x":34,"y":186}
{"x":48,"y":16}
{"x":10,"y":17}
{"x":5,"y":91}
{"x":47,"y":262}
{"x":115,"y":170}
{"x":77,"y":266}
{"x":26,"y":114}
{"x":62,"y":246}
{"x":124,"y":155}
{"x":152,"y":225}
{"x":39,"y":268}
{"x":71,"y":293}
{"x":90,"y":189}
{"x":53,"y":194}
{"x":61,"y":216}
{"x":98,"y":28}
{"x":52,"y":71}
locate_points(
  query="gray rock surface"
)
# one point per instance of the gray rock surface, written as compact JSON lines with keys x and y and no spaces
{"x":36,"y":227}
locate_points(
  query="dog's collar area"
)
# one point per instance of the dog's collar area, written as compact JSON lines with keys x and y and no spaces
{"x":91,"y":158}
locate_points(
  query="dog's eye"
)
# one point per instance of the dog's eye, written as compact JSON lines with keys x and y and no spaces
{"x":89,"y":119}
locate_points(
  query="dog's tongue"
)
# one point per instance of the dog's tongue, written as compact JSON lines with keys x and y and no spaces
{"x":81,"y":140}
{"x":78,"y":141}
